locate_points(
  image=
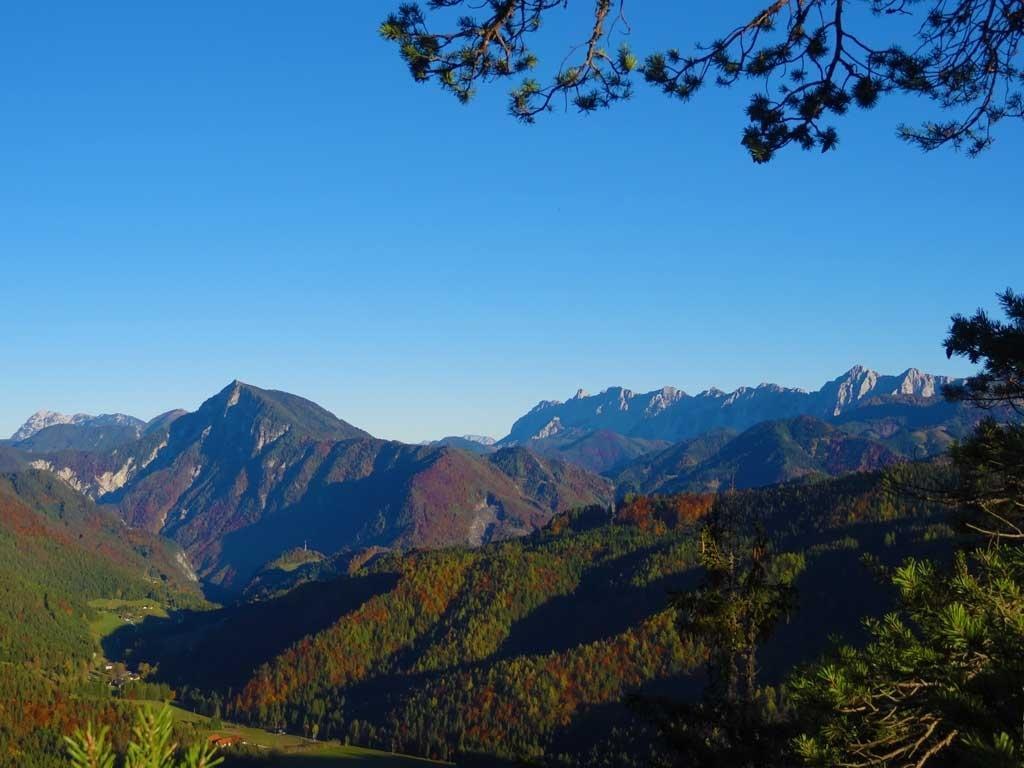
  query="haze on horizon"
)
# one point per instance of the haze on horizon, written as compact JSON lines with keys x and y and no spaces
{"x":192,"y":195}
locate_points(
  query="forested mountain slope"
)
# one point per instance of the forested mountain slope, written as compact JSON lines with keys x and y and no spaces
{"x":253,"y":473}
{"x":768,"y":453}
{"x":58,"y":551}
{"x":513,"y":648}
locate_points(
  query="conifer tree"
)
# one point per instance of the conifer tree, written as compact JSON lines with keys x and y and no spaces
{"x":942,"y":680}
{"x":747,"y":589}
{"x":152,"y":746}
{"x":808,"y":62}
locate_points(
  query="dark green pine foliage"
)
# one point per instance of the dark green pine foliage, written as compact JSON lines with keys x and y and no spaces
{"x":804,"y":65}
{"x":999,"y":347}
{"x":991,"y":463}
{"x":747,"y":589}
{"x":941,"y":682}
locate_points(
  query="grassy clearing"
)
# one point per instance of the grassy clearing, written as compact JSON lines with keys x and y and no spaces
{"x":104,"y":624}
{"x":297,"y":752}
{"x":111,"y":615}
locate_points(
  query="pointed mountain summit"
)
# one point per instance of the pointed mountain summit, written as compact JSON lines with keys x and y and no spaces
{"x":272,"y":413}
{"x":234,"y":447}
{"x":254,"y":472}
{"x":859,"y":384}
{"x":239,"y":402}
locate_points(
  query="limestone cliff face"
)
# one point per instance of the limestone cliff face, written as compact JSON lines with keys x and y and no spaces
{"x":550,"y":429}
{"x":41,"y":420}
{"x":859,"y":384}
{"x":670,"y":414}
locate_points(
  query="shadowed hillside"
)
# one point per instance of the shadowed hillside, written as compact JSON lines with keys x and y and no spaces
{"x":455,"y":650}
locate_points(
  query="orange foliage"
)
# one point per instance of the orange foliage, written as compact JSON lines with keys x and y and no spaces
{"x":661,"y":513}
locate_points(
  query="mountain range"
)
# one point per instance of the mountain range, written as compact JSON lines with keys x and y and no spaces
{"x":472,"y":443}
{"x":671,"y":414}
{"x":609,"y":431}
{"x":458,"y":597}
{"x":255,"y":473}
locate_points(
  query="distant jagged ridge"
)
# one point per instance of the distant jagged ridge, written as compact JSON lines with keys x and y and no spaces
{"x":49,"y":432}
{"x":672,"y":415}
{"x":41,"y":420}
{"x":471,"y":443}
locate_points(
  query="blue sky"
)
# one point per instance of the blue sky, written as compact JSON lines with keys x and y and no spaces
{"x":200,"y":192}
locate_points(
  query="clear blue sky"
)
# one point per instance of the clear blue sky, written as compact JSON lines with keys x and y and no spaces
{"x":195,"y":192}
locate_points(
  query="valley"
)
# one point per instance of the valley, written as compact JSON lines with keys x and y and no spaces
{"x":511,"y":384}
{"x":254,"y":473}
{"x":293,"y":583}
{"x":258,"y":746}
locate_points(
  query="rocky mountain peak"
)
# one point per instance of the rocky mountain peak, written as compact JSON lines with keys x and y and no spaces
{"x":553,"y":427}
{"x":232,"y":393}
{"x":267,"y":411}
{"x":670,"y":414}
{"x":44,"y":419}
{"x":854,"y":385}
{"x":860,"y":383}
{"x":543,"y":405}
{"x":662,"y":399}
{"x":767,"y":386}
{"x":914,"y":382}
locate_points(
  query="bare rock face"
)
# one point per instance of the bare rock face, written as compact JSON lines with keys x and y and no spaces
{"x":550,"y":429}
{"x":672,"y":415}
{"x":663,"y":399}
{"x":479,"y":439}
{"x":41,"y":420}
{"x":860,"y":384}
{"x":914,"y":382}
{"x":857,"y":384}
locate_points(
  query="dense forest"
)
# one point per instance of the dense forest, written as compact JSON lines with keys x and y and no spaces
{"x":514,"y":648}
{"x":58,"y":553}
